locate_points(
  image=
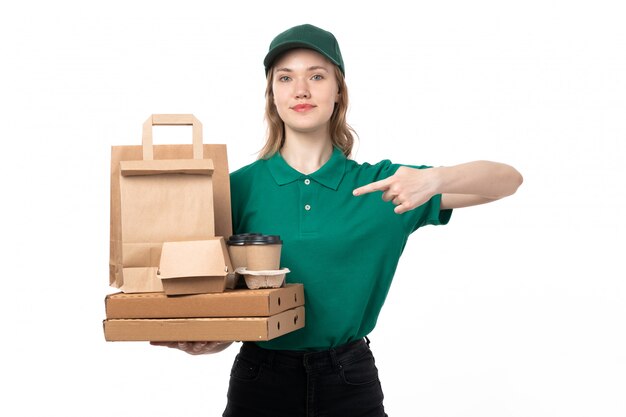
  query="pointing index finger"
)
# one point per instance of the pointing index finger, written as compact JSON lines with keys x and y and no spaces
{"x":381,"y":185}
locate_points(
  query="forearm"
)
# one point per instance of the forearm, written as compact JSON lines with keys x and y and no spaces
{"x":491,"y":180}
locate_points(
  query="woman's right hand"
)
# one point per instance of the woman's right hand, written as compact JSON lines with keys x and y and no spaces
{"x":195,"y":348}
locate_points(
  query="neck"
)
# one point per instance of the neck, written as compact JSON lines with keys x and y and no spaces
{"x":306,"y":152}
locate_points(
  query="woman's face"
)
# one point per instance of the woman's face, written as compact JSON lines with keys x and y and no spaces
{"x":305,"y":90}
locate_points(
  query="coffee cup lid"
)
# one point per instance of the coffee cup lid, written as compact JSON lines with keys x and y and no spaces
{"x":241,"y":239}
{"x":264,"y":240}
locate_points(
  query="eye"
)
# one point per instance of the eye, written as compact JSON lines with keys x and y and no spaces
{"x":317,"y":77}
{"x":284,"y":78}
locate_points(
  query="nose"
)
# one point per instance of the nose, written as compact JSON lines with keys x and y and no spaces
{"x":302,"y":89}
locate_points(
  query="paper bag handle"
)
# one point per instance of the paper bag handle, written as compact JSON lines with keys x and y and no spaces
{"x":172,"y":120}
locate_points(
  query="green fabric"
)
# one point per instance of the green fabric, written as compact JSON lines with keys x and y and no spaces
{"x":344,"y":249}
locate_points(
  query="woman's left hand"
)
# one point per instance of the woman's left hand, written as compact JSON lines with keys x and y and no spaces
{"x":408,"y":188}
{"x":462,"y":185}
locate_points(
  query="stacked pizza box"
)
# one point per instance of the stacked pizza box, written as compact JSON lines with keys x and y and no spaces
{"x":240,"y":314}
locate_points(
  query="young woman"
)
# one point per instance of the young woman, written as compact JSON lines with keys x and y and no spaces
{"x":340,"y":238}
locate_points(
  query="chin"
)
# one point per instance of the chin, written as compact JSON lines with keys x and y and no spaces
{"x":307,"y":129}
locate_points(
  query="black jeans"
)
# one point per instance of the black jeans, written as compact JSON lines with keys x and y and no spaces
{"x":341,"y":382}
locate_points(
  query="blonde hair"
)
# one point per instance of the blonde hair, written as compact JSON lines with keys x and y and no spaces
{"x":341,"y":134}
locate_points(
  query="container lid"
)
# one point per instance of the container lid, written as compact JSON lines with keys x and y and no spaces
{"x":197,"y":258}
{"x":264,"y":240}
{"x":253,"y":239}
{"x":241,"y":238}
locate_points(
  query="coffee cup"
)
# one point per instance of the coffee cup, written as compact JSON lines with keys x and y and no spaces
{"x":237,"y":249}
{"x":263,"y":252}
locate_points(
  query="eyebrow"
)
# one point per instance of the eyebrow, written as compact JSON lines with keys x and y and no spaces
{"x":313,"y":68}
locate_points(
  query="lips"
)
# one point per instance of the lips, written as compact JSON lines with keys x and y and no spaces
{"x":302,"y":107}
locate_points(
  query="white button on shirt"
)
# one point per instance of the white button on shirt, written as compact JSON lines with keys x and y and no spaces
{"x":307,"y":207}
{"x":307,"y":181}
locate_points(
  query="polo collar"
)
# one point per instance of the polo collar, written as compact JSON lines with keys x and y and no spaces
{"x":329,"y":175}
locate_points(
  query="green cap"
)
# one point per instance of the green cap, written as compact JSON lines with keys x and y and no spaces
{"x":305,"y":36}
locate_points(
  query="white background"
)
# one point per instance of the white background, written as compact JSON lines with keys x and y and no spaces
{"x":514,"y":309}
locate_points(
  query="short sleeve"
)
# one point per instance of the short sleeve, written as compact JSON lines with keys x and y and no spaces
{"x":429,"y":213}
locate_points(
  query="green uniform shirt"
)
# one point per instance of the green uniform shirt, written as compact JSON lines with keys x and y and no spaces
{"x":344,"y":249}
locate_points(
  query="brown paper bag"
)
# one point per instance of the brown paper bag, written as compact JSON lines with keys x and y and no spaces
{"x":164,"y":193}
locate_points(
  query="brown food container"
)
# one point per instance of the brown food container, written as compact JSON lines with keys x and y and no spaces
{"x":194,"y":267}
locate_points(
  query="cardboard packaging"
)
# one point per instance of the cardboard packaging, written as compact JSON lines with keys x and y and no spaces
{"x":230,"y":303}
{"x":164,"y":193}
{"x":205,"y":329}
{"x":194,"y":267}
